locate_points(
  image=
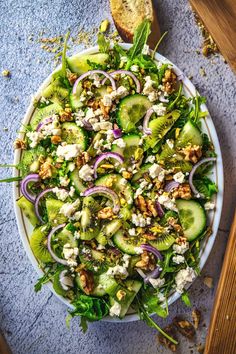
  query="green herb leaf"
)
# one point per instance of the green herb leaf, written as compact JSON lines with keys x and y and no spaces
{"x":93,"y":309}
{"x":185,"y":298}
{"x":205,"y":186}
{"x":11,"y":179}
{"x":83,"y":324}
{"x":158,"y":43}
{"x":103,"y":44}
{"x":43,"y":280}
{"x":140,"y":39}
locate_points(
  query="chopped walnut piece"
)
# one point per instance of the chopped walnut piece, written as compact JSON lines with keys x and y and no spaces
{"x":105,"y":213}
{"x":151,"y":207}
{"x":183,"y":191}
{"x":82,"y":159}
{"x":19,"y":144}
{"x":165,"y":341}
{"x":141,"y":204}
{"x":201,"y":348}
{"x":181,"y":240}
{"x":105,"y":109}
{"x":55,"y":139}
{"x":72,"y":77}
{"x":173,"y":222}
{"x":169,"y":81}
{"x":66,"y":115}
{"x":87,"y":281}
{"x":184,"y":327}
{"x":150,"y":237}
{"x":94,"y":104}
{"x":192,"y":153}
{"x":147,"y":262}
{"x":196,"y":316}
{"x":45,"y":170}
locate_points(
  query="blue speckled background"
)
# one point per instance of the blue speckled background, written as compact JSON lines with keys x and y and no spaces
{"x":35,"y":323}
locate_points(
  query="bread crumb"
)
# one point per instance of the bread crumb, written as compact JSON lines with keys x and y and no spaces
{"x":208,"y":281}
{"x":6,"y":73}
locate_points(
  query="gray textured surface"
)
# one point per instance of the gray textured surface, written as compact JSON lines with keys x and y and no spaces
{"x":35,"y":323}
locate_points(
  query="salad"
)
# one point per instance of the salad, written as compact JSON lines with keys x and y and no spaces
{"x":114,"y":179}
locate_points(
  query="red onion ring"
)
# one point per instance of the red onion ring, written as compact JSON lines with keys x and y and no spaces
{"x":65,"y":280}
{"x":155,"y":273}
{"x":91,"y":72}
{"x":128,"y":73}
{"x":117,"y":133}
{"x":44,"y":122}
{"x":206,"y":160}
{"x":37,"y":201}
{"x":24,"y":186}
{"x":170,"y":185}
{"x":106,"y":155}
{"x":159,"y":209}
{"x":109,"y":193}
{"x":54,"y":256}
{"x":147,"y":117}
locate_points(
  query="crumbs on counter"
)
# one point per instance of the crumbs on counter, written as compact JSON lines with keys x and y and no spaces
{"x":80,"y":36}
{"x":6,"y":73}
{"x":209,"y":46}
{"x":208,"y":281}
{"x":202,"y":72}
{"x":181,"y":325}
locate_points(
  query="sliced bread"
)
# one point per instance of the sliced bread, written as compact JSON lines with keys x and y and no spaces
{"x":128,"y":14}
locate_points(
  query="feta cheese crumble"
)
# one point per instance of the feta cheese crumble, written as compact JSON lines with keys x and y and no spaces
{"x":178,"y":259}
{"x":70,"y":254}
{"x":86,"y":173}
{"x":61,"y":194}
{"x":181,"y":249}
{"x":35,"y":138}
{"x":157,"y":283}
{"x":159,"y":109}
{"x":167,"y":202}
{"x":183,"y":277}
{"x":139,"y":220}
{"x":155,"y":170}
{"x":209,"y":205}
{"x":68,"y":152}
{"x":115,"y":309}
{"x":119,"y":142}
{"x":179,"y":177}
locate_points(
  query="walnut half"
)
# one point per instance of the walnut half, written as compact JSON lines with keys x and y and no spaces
{"x":87,"y":281}
{"x":184,"y":327}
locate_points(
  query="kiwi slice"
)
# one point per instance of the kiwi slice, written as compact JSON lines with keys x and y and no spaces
{"x":60,"y":239}
{"x":160,"y":127}
{"x":28,"y":209}
{"x":163,"y":242}
{"x":29,"y":157}
{"x":38,"y":243}
{"x":89,"y":225}
{"x":53,"y":207}
{"x":92,"y":204}
{"x":57,"y":285}
{"x":166,"y":153}
{"x":41,"y":113}
{"x":56,"y":93}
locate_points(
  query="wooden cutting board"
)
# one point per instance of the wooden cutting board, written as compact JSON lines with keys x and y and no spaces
{"x":221,"y":337}
{"x":219,"y":17}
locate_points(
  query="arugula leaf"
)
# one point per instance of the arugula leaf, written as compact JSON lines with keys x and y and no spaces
{"x":91,"y":308}
{"x":11,"y":179}
{"x":62,"y":72}
{"x":158,"y":43}
{"x":205,"y":186}
{"x":185,"y":298}
{"x":43,"y":280}
{"x":145,"y":62}
{"x":103,"y":44}
{"x":149,"y":321}
{"x":140,"y":39}
{"x":96,"y":66}
{"x":83,"y":324}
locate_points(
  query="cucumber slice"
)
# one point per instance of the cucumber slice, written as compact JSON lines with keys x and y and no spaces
{"x":125,"y":244}
{"x":73,"y":134}
{"x":131,"y":288}
{"x":131,"y":109}
{"x":108,"y":283}
{"x":53,"y":207}
{"x":77,"y":182}
{"x":28,"y":209}
{"x":108,"y":231}
{"x":65,"y":236}
{"x":160,"y":127}
{"x":131,"y":145}
{"x":192,"y":218}
{"x":41,"y":113}
{"x":113,"y":181}
{"x":79,"y":63}
{"x":190,"y":134}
